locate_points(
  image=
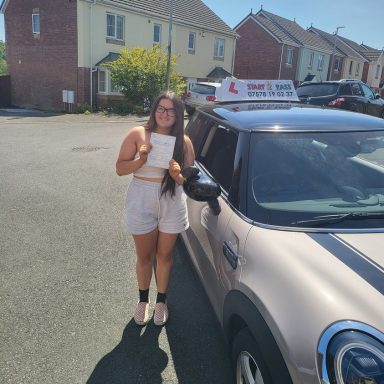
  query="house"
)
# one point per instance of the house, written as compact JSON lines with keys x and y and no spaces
{"x":272,"y":47}
{"x":374,"y":67}
{"x":346,"y":62}
{"x":56,"y":49}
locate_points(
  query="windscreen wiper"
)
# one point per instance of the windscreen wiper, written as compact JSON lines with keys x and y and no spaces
{"x":336,"y":218}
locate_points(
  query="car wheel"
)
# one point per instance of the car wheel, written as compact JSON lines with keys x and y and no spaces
{"x":248,"y":361}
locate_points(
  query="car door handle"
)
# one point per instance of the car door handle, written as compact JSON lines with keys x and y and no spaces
{"x":230,"y":254}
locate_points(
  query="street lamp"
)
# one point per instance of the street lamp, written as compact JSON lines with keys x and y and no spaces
{"x":333,"y":52}
{"x":167,"y":76}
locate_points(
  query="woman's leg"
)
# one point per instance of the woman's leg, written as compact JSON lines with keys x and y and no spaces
{"x":165,"y":245}
{"x":146,"y":250}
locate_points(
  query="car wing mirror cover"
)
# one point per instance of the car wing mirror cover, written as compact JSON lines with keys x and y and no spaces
{"x":201,"y":188}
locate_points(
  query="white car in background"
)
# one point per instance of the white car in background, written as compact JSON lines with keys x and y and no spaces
{"x":202,"y":93}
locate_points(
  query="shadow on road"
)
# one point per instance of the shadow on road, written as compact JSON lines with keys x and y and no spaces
{"x":197,"y":348}
{"x":136,"y":359}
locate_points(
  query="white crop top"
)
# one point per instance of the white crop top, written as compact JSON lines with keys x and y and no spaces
{"x":147,"y":171}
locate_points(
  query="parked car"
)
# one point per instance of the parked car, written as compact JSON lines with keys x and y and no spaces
{"x":203,"y":93}
{"x":353,"y":95}
{"x":286,"y":234}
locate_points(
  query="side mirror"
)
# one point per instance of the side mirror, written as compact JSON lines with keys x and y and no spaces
{"x":377,"y":96}
{"x":202,"y":188}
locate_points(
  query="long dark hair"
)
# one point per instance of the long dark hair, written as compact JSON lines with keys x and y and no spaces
{"x":168,"y":184}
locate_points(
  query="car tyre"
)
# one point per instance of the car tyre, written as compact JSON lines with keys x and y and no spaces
{"x":248,"y":362}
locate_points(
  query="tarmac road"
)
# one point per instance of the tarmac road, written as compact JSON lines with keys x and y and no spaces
{"x":68,"y":287}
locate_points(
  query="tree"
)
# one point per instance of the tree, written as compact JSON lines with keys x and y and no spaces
{"x":140,"y":74}
{"x":3,"y":63}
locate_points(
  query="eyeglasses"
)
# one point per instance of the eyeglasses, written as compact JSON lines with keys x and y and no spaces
{"x":170,"y":111}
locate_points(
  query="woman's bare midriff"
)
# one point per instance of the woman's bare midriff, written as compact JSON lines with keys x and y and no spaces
{"x":154,"y":180}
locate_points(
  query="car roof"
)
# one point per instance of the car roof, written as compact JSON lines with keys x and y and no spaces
{"x":290,"y":117}
{"x":342,"y":81}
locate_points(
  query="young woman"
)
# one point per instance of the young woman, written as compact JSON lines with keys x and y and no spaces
{"x":156,"y":205}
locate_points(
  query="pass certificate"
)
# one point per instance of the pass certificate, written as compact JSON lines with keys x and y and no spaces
{"x":162,"y":150}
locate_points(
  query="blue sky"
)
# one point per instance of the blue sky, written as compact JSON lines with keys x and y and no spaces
{"x":363,"y":19}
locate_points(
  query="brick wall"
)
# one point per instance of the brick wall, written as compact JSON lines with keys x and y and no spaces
{"x":44,"y":64}
{"x":258,"y":55}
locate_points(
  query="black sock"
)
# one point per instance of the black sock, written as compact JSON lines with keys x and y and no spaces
{"x":161,"y":297}
{"x":144,"y":295}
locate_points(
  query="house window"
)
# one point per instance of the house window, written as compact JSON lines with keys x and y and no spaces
{"x":102,"y":81}
{"x":105,"y":84}
{"x":357,"y":69}
{"x":218,"y":48}
{"x":377,"y":71}
{"x":289,"y":56}
{"x":35,"y":22}
{"x":115,"y":26}
{"x":350,"y":67}
{"x":320,"y":63}
{"x":311,"y":58}
{"x":191,"y":42}
{"x":336,"y":65}
{"x":156,"y":34}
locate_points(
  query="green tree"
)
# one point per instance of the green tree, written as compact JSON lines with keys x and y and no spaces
{"x":3,"y":63}
{"x":140,"y":74}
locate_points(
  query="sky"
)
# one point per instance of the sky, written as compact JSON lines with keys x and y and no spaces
{"x":363,"y":19}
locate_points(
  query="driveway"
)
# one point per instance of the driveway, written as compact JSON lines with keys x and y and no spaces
{"x":68,"y":287}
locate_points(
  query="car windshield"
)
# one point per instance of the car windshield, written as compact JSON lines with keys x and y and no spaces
{"x":314,"y":90}
{"x":299,"y":179}
{"x":204,"y":89}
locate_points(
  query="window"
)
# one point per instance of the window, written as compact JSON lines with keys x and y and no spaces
{"x":350,"y":67}
{"x":289,"y":56}
{"x":191,"y":42}
{"x":115,"y":26}
{"x":218,"y":154}
{"x":106,"y":84}
{"x":102,"y":81}
{"x":336,"y":64}
{"x":320,"y":63}
{"x":35,"y":22}
{"x":218,"y":48}
{"x":157,"y":34}
{"x":368,"y":93}
{"x":311,"y":58}
{"x":356,"y":91}
{"x":357,"y":69}
{"x":377,"y":71}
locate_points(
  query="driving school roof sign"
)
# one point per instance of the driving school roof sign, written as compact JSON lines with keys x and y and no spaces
{"x":277,"y":90}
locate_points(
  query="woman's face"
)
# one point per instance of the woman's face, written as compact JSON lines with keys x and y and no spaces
{"x":165,"y":114}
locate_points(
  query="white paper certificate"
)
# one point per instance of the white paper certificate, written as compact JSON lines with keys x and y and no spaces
{"x":162,"y":150}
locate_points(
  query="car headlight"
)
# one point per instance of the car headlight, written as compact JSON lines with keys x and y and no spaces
{"x":351,"y":353}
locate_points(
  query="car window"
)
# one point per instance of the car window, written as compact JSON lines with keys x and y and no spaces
{"x":368,"y":93}
{"x":294,"y":176}
{"x":197,"y":130}
{"x":345,"y":90}
{"x":218,"y":154}
{"x":313,"y":90}
{"x":356,"y":91}
{"x":203,"y":89}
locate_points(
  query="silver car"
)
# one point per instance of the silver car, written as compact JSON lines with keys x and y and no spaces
{"x":203,"y":93}
{"x":287,"y":236}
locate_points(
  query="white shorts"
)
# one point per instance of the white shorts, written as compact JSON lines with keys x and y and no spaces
{"x":147,"y":209}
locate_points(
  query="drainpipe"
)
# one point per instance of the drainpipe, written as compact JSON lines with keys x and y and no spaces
{"x":93,"y":2}
{"x":233,"y":57}
{"x":281,"y":60}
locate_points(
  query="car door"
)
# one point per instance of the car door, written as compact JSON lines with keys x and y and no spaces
{"x":216,"y":241}
{"x":374,"y":106}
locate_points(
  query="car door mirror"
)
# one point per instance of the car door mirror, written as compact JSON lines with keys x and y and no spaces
{"x":201,"y":187}
{"x":377,"y":96}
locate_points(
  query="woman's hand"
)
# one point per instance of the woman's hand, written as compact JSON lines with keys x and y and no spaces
{"x":143,"y":152}
{"x":175,"y":171}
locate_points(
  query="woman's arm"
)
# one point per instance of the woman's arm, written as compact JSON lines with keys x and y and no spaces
{"x":126,"y":163}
